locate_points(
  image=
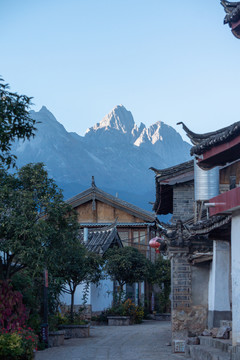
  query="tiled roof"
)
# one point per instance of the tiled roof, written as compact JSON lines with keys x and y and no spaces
{"x":208,"y":225}
{"x":207,"y":141}
{"x":135,"y":224}
{"x":94,"y":193}
{"x":165,"y":179}
{"x":174,"y":171}
{"x":233,"y":11}
{"x":189,"y":230}
{"x":100,"y":240}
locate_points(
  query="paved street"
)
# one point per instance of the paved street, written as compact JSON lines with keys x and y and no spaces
{"x":146,"y":341}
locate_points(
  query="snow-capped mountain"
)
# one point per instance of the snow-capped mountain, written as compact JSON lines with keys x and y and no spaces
{"x":115,"y":150}
{"x":119,"y":119}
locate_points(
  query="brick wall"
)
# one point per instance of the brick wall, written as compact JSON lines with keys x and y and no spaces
{"x":186,"y":316}
{"x":183,"y":201}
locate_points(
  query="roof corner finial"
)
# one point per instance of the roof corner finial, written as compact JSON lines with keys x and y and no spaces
{"x":93,"y":182}
{"x":192,"y":136}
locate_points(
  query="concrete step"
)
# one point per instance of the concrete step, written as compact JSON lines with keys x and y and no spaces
{"x":201,"y":352}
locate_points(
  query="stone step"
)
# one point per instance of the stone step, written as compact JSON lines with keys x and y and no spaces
{"x":201,"y":352}
{"x":221,"y":344}
{"x":213,"y":349}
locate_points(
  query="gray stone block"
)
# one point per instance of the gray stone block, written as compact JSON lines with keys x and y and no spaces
{"x":223,"y":332}
{"x":56,"y":338}
{"x":118,"y":320}
{"x":76,"y":331}
{"x":199,"y":352}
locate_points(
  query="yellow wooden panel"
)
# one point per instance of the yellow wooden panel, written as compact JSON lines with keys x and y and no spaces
{"x":105,"y":212}
{"x":84,"y":212}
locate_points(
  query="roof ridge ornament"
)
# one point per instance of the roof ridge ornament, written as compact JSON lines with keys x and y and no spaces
{"x":192,"y":136}
{"x":93,"y":182}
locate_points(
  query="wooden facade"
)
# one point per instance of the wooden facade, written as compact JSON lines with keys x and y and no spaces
{"x":96,"y":208}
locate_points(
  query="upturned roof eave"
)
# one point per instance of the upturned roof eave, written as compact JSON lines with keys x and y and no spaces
{"x":233,"y":11}
{"x":207,"y":141}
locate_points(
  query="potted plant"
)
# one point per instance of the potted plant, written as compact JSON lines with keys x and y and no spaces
{"x":74,"y":325}
{"x":125,"y":313}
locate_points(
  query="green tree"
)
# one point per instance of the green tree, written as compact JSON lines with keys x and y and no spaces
{"x":126,"y":265}
{"x":162,"y":277}
{"x":35,"y":222}
{"x":78,"y":266}
{"x":15,"y":122}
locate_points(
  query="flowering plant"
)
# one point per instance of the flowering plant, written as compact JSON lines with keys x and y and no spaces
{"x":19,"y":344}
{"x":29,"y":341}
{"x":136,"y":313}
{"x":128,"y":308}
{"x":10,"y":346}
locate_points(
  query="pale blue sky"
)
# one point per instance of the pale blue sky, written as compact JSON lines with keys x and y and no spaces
{"x":163,"y":60}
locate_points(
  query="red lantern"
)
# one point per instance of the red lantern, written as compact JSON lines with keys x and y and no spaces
{"x":155,"y":244}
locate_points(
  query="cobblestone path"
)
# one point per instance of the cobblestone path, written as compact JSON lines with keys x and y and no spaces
{"x":146,"y":341}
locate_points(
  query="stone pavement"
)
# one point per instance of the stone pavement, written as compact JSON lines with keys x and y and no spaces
{"x":146,"y":341}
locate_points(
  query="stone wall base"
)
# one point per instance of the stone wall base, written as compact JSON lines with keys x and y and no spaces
{"x":214,"y":318}
{"x":56,"y":338}
{"x":163,"y":317}
{"x":76,"y":331}
{"x":118,"y":320}
{"x":188,"y":322}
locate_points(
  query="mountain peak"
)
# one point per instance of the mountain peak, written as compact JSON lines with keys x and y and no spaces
{"x":44,"y":109}
{"x":118,"y":153}
{"x":119,"y":118}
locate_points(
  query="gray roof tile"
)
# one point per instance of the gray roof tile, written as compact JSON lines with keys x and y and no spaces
{"x":100,"y":240}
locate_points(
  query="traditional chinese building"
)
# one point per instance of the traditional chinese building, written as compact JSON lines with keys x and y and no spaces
{"x":204,"y":197}
{"x":190,"y":252}
{"x":97,"y":209}
{"x":221,"y":148}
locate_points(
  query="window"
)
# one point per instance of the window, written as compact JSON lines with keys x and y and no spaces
{"x":139,"y":240}
{"x":124,"y":236}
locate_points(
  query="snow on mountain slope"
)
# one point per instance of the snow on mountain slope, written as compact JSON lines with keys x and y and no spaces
{"x":119,"y":119}
{"x":115,"y":150}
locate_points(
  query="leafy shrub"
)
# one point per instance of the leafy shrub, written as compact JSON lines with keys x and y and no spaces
{"x":18,"y":344}
{"x":66,"y":319}
{"x":12,"y":311}
{"x":101,"y":318}
{"x":128,"y":308}
{"x":136,"y":313}
{"x":162,"y":277}
{"x":10,"y":346}
{"x":34,"y":322}
{"x":29,"y":342}
{"x":77,"y":318}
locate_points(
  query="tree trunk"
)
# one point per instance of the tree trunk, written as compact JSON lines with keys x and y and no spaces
{"x":72,"y":304}
{"x":120,"y":293}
